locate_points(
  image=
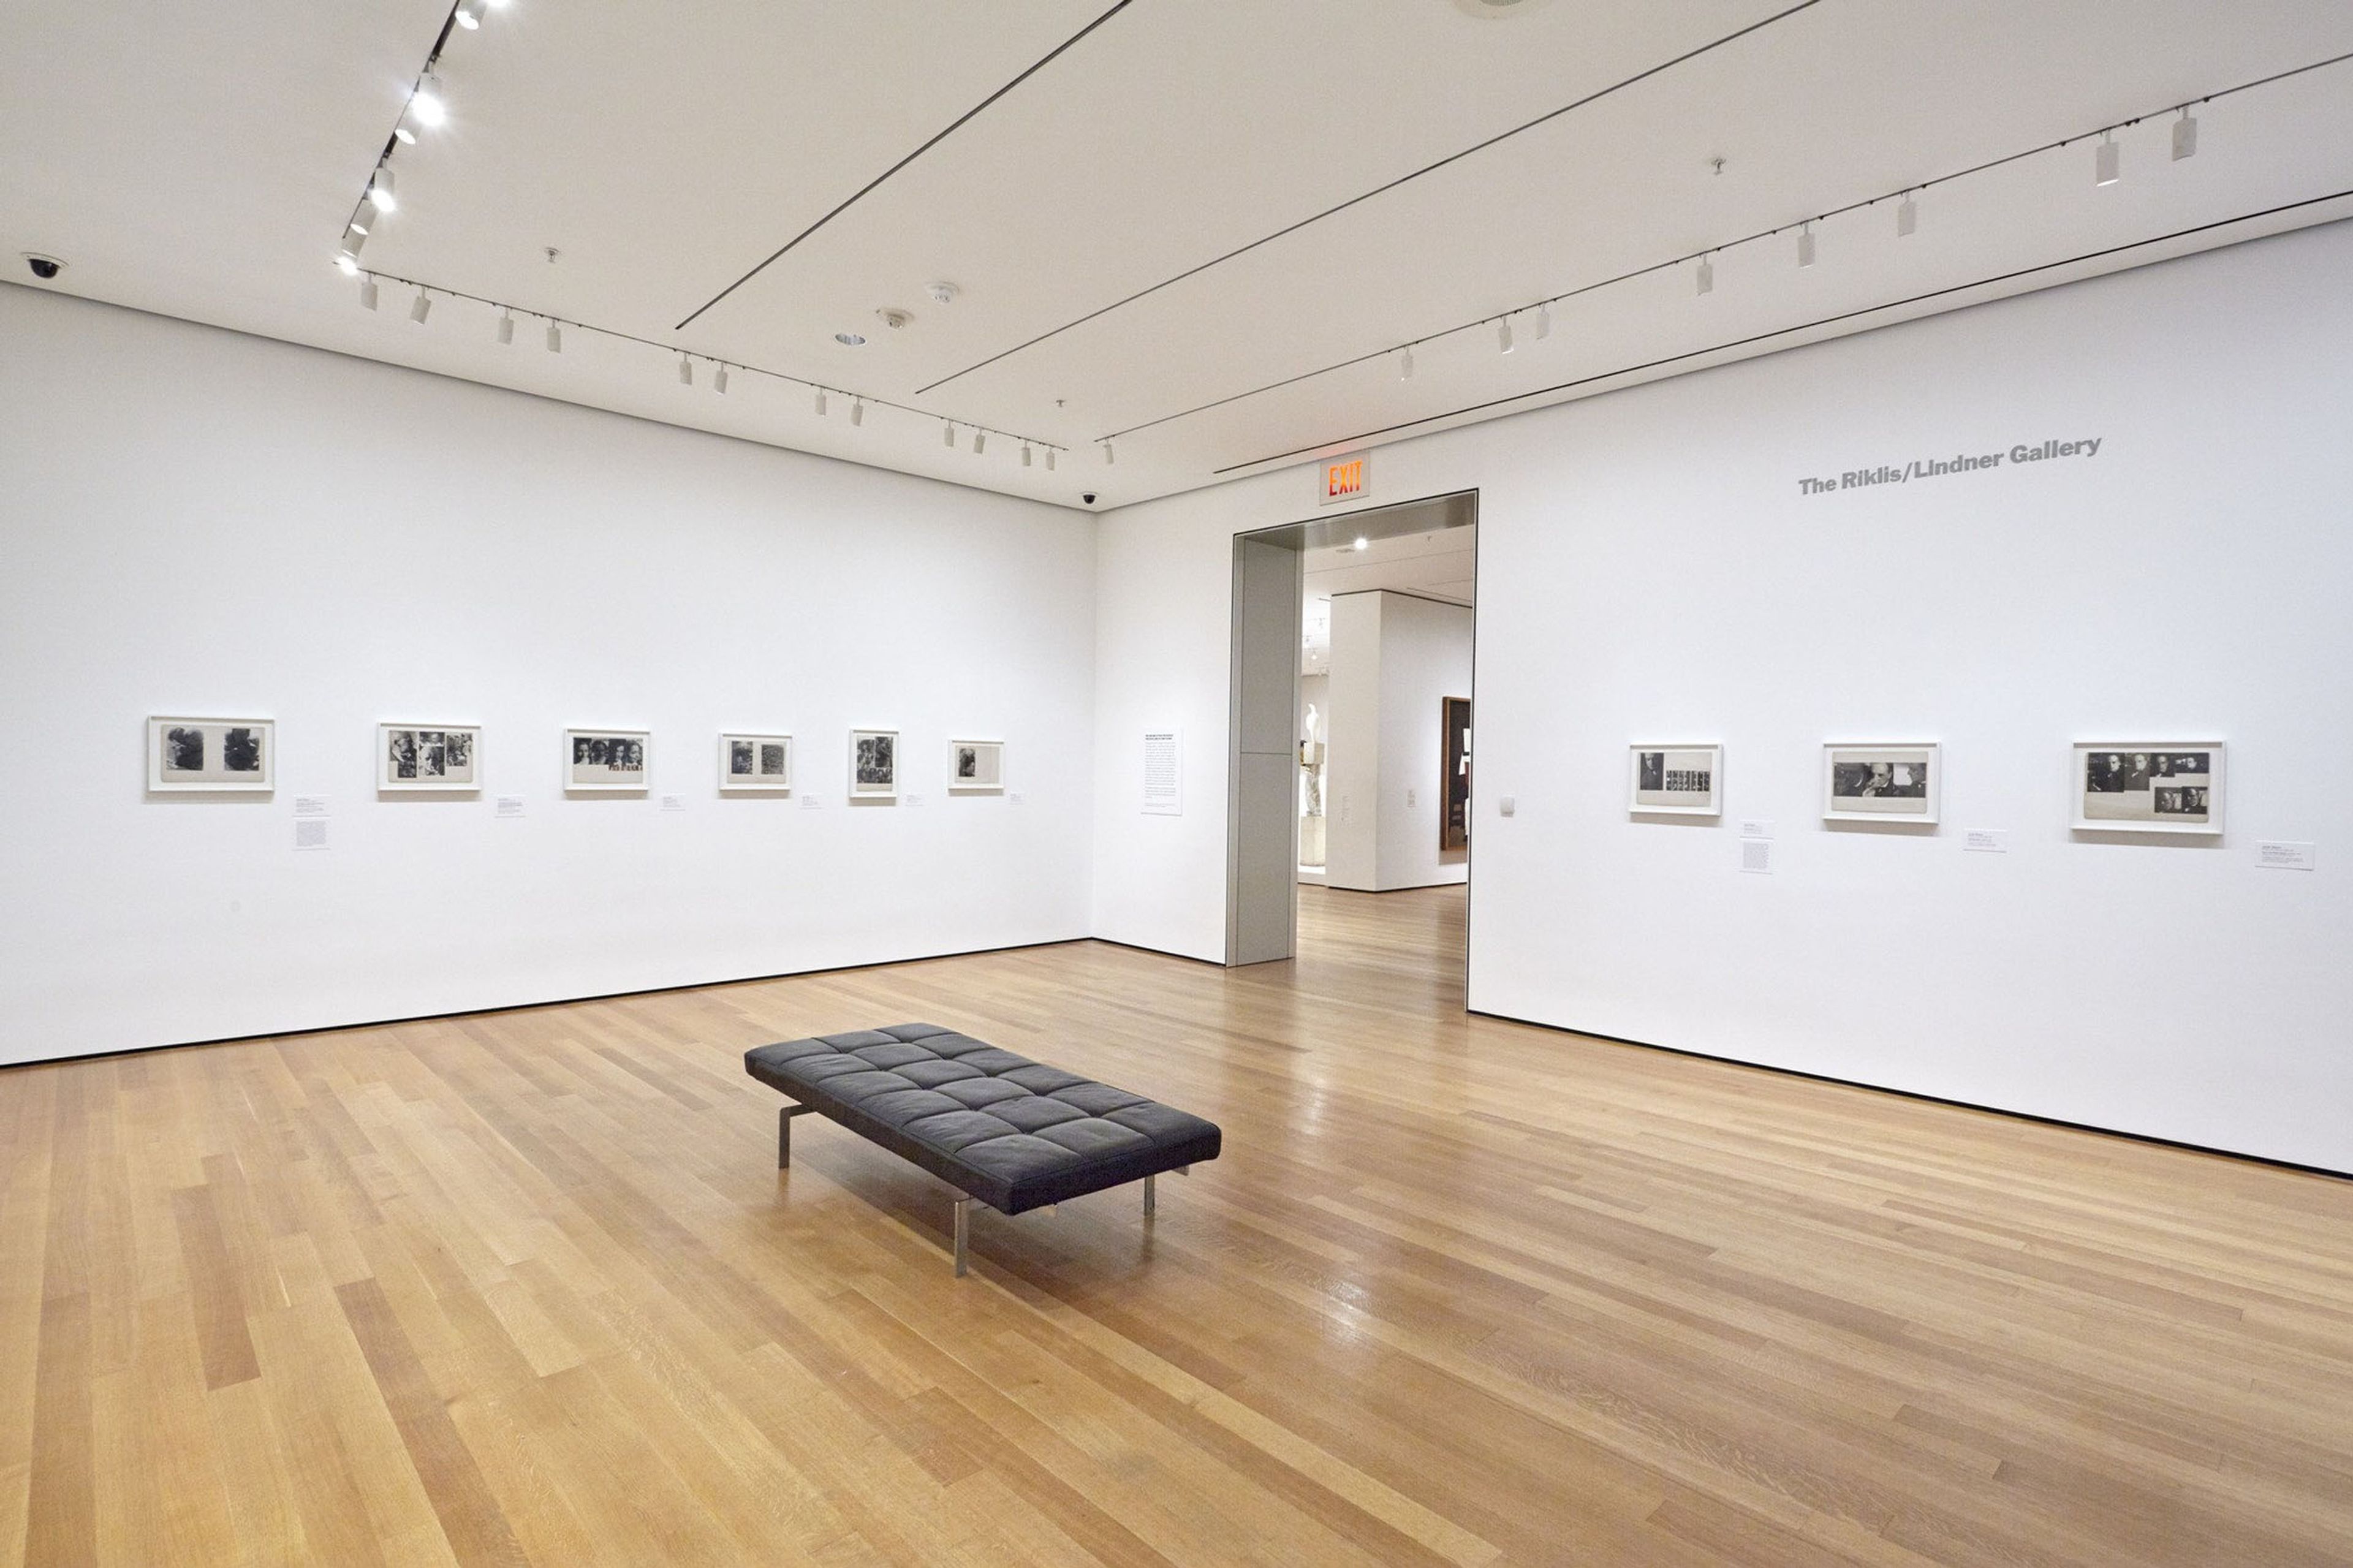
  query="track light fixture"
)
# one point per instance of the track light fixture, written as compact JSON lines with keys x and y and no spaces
{"x":1544,"y":321}
{"x":1108,"y":457}
{"x":947,"y":436}
{"x":820,"y":402}
{"x":347,"y":264}
{"x":401,"y":133}
{"x":506,"y":326}
{"x":1707,"y":275}
{"x":858,"y":411}
{"x":1050,"y":460}
{"x":2185,"y":136}
{"x":426,"y":103}
{"x":1025,"y":454}
{"x":554,"y":337}
{"x":368,"y":294}
{"x":422,"y":309}
{"x":719,"y":379}
{"x":1806,"y":244}
{"x":685,"y":371}
{"x":979,"y":442}
{"x":1504,"y":335}
{"x":1907,"y":217}
{"x":381,"y":194}
{"x":470,"y":13}
{"x":361,"y":220}
{"x":2107,"y":163}
{"x":1405,"y":362}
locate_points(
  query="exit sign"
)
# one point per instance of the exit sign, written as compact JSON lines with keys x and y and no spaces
{"x":1348,"y":479}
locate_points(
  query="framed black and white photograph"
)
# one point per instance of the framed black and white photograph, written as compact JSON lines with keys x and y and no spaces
{"x":611,"y":761}
{"x":976,"y":766}
{"x":211,"y":755}
{"x":1881,"y":784}
{"x":755,"y":764}
{"x":2144,"y":786}
{"x":873,"y":765}
{"x":1674,"y":781}
{"x":429,"y":757}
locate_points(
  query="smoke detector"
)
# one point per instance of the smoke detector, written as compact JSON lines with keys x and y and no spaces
{"x":943,"y":293}
{"x":894,"y":320}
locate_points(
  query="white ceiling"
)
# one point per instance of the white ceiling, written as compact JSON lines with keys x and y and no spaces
{"x":1439,"y":563}
{"x":1169,"y":221}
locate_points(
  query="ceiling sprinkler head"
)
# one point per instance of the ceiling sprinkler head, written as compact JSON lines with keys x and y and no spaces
{"x":894,"y":320}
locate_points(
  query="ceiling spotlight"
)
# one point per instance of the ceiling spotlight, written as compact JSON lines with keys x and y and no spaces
{"x":850,"y":340}
{"x":1806,"y":245}
{"x":1503,"y":334}
{"x":979,"y":442}
{"x":354,"y":240}
{"x":1405,"y":363}
{"x":1108,"y":458}
{"x":1544,"y":323}
{"x":360,"y":220}
{"x":685,"y":371}
{"x":554,"y":338}
{"x":1050,"y":460}
{"x":947,"y":436}
{"x":470,"y":13}
{"x":1707,"y":275}
{"x":2185,"y":136}
{"x":380,"y":191}
{"x":858,"y":411}
{"x":506,"y":325}
{"x":348,"y":266}
{"x":1362,"y":543}
{"x":426,"y":103}
{"x":820,"y":402}
{"x":1025,"y":454}
{"x":719,"y":379}
{"x":2106,"y":164}
{"x":422,"y":308}
{"x":1907,"y":217}
{"x":368,"y":294}
{"x":401,"y":133}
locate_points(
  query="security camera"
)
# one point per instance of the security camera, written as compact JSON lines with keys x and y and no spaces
{"x":1089,"y":496}
{"x":43,"y":267}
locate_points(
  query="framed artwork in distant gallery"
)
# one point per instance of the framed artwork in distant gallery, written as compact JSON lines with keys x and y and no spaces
{"x":750,"y":764}
{"x":429,"y":757}
{"x":976,"y":766}
{"x":1674,"y":781}
{"x":873,"y":765}
{"x":211,"y":755}
{"x":1454,"y":788}
{"x":2148,"y":786}
{"x":607,"y":760}
{"x":1882,"y":783}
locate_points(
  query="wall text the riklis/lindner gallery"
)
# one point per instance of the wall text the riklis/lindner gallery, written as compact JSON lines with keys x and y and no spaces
{"x":1958,"y":463}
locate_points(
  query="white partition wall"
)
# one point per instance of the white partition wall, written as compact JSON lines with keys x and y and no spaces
{"x":1396,"y":657}
{"x":1653,"y":566}
{"x":200,"y":523}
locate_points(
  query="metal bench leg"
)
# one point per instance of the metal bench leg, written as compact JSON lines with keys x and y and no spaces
{"x":785,"y":1115}
{"x":963,"y":1232}
{"x":1151,"y":1199}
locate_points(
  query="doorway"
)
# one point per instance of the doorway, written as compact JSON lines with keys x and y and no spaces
{"x":1351,"y":773}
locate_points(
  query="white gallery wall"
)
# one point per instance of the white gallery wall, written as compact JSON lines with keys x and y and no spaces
{"x":1396,"y":657}
{"x":195,"y":522}
{"x":1650,"y":571}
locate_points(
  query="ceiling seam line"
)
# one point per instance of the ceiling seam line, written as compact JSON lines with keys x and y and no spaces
{"x":748,"y":369}
{"x":1722,"y":247}
{"x":1476,"y":147}
{"x":869,"y":187}
{"x":2102,"y":254}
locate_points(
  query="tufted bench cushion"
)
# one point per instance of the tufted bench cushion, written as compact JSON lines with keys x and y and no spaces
{"x":1012,"y":1132}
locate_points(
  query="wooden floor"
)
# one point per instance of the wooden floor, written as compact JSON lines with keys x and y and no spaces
{"x":528,"y":1287}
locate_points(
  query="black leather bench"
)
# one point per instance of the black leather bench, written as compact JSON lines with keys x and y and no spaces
{"x":1014,"y":1133}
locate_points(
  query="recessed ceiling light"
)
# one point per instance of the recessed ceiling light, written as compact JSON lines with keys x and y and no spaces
{"x":1362,"y":543}
{"x":850,"y":339}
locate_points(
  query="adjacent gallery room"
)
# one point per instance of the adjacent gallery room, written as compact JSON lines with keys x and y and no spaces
{"x":1447,"y":781}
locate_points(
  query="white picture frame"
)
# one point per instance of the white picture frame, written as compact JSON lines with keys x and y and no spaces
{"x":428,"y":759}
{"x":874,"y":764}
{"x":1888,"y":782}
{"x":752,"y":763}
{"x":976,"y":767}
{"x":1674,"y":780}
{"x":607,"y":761}
{"x":2148,"y":786}
{"x":211,"y":757}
